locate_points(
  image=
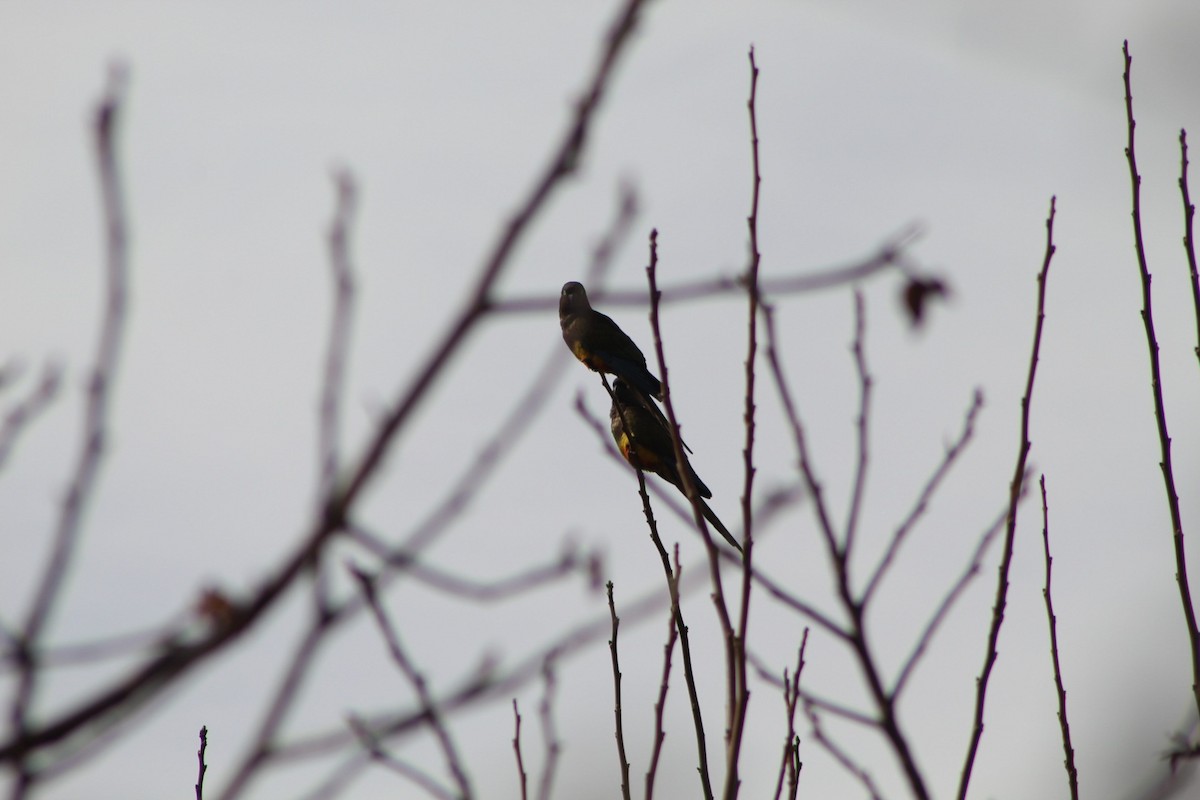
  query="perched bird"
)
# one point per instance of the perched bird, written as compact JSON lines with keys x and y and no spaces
{"x":600,"y":344}
{"x":645,"y":441}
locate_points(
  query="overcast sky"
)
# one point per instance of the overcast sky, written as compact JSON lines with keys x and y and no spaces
{"x":962,"y":119}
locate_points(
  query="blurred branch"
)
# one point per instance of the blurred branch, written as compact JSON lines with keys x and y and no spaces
{"x":951,"y":597}
{"x":549,"y":734}
{"x":429,"y":706}
{"x":408,"y":771}
{"x":927,"y":491}
{"x":25,"y":411}
{"x":839,"y":754}
{"x":862,"y":424}
{"x":95,"y":426}
{"x":97,"y":711}
{"x":568,"y":562}
{"x":1068,"y":750}
{"x":1156,"y":389}
{"x":892,"y":254}
{"x":1015,"y":492}
{"x":337,"y":353}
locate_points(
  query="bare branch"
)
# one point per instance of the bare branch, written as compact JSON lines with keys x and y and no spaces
{"x":1068,"y":750}
{"x":516,"y":743}
{"x":338,"y":348}
{"x":22,"y":413}
{"x":429,"y":706}
{"x":1189,"y":239}
{"x":1015,"y":491}
{"x":203,"y":767}
{"x":164,"y":669}
{"x":549,"y":734}
{"x":95,"y":421}
{"x":616,"y":666}
{"x":951,"y":597}
{"x":402,"y":768}
{"x":661,"y":704}
{"x":935,"y":480}
{"x":737,"y":644}
{"x":789,"y":767}
{"x":890,"y":255}
{"x":838,"y":753}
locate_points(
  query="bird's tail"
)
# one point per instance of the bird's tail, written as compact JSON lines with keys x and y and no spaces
{"x":715,"y":521}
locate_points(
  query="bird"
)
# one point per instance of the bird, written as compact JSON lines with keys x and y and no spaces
{"x":644,"y":439}
{"x":600,"y":343}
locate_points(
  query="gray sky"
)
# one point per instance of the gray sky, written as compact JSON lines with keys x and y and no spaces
{"x":965,"y":120}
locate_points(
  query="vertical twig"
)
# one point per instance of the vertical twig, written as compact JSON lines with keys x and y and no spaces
{"x":341,"y":270}
{"x":862,"y":425}
{"x":1015,"y":490}
{"x":741,"y":689}
{"x":1189,"y":239}
{"x":549,"y":733}
{"x":661,"y":704}
{"x":200,"y":757}
{"x":685,"y":647}
{"x":1160,"y":413}
{"x":96,"y":409}
{"x":789,"y":767}
{"x":516,"y":743}
{"x":693,"y":497}
{"x":616,"y":666}
{"x":1068,"y":750}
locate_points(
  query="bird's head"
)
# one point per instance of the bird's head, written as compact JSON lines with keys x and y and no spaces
{"x":573,"y":299}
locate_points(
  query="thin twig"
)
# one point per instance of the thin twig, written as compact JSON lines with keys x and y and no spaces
{"x":927,"y":491}
{"x":380,"y":756}
{"x":1156,"y":389}
{"x":1189,"y":239}
{"x":948,"y":601}
{"x":549,"y":733}
{"x":95,"y":419}
{"x":1068,"y":750}
{"x":693,"y":496}
{"x":741,"y":691}
{"x":567,"y":563}
{"x":436,"y":722}
{"x":890,"y":255}
{"x":338,"y":347}
{"x":789,"y":767}
{"x":1015,"y":491}
{"x":616,"y":666}
{"x":685,"y":647}
{"x":298,"y":664}
{"x":19,"y":415}
{"x":839,"y":754}
{"x":516,"y":743}
{"x":862,"y":423}
{"x":203,"y":767}
{"x":660,"y":704}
